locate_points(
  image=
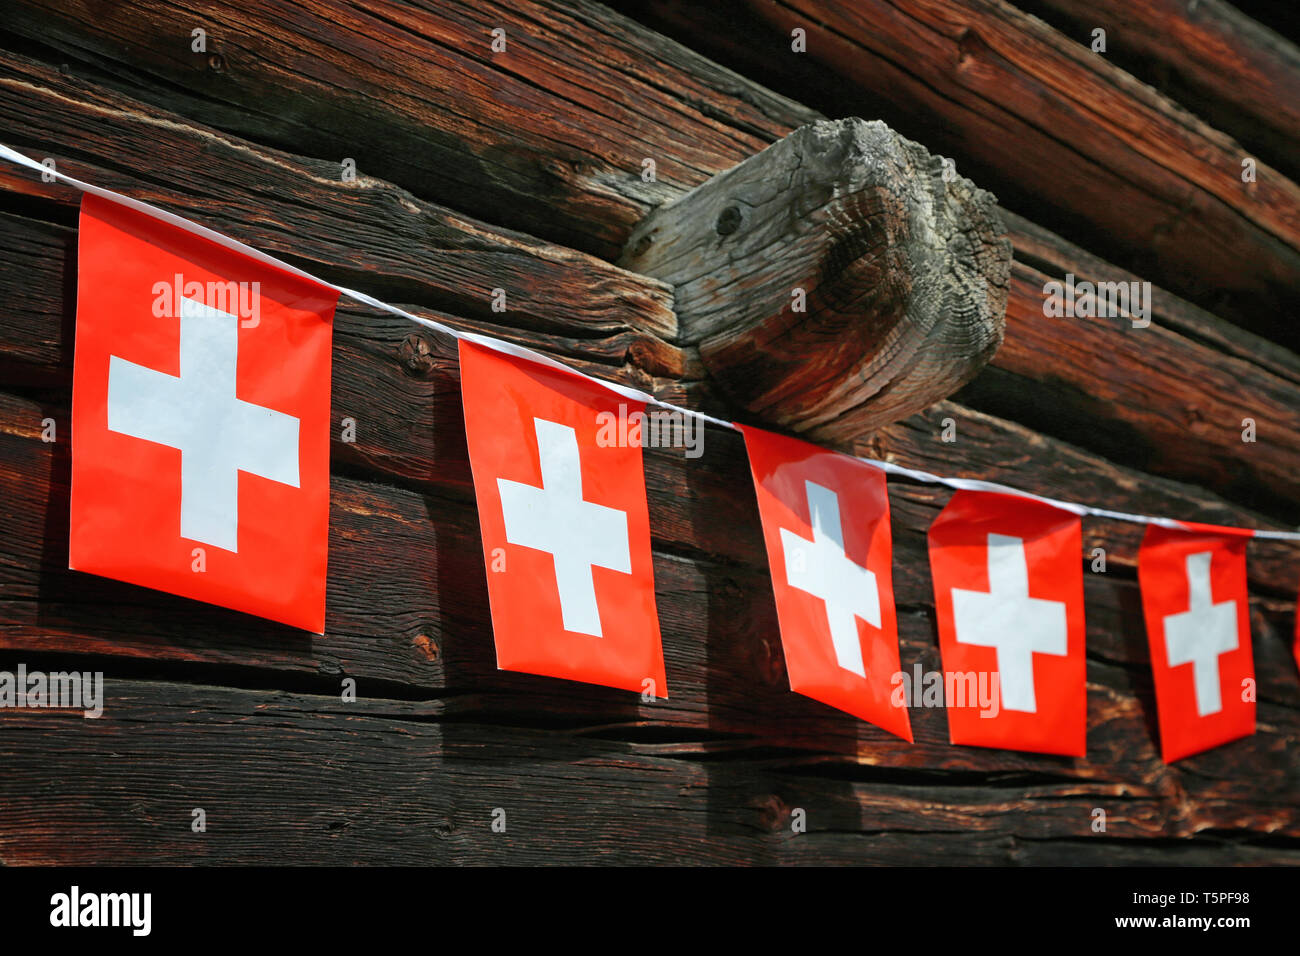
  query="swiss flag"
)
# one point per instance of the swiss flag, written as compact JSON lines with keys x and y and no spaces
{"x":566,"y":527}
{"x":1008,"y":596}
{"x":1198,"y":626}
{"x":825,"y":523}
{"x":200,"y":419}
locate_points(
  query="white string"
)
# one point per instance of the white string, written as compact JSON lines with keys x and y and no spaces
{"x":633,"y":394}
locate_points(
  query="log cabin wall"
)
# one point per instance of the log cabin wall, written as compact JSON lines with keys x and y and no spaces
{"x":522,"y":170}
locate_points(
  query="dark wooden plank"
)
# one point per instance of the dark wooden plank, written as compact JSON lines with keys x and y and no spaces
{"x":309,"y":778}
{"x":548,"y":136}
{"x":1043,"y":250}
{"x":364,"y":233}
{"x":1208,"y":56}
{"x":1148,"y":397}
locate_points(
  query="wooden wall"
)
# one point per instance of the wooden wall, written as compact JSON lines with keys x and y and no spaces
{"x":522,"y":170}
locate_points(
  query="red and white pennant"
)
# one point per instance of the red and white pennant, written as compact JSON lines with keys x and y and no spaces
{"x":200,"y":419}
{"x":825,"y":520}
{"x":566,"y":527}
{"x":1197,"y":611}
{"x":1008,"y":597}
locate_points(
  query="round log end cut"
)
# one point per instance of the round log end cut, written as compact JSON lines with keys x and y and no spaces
{"x":839,"y":280}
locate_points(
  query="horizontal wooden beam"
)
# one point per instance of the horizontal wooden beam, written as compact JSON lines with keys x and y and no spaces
{"x":835,"y":282}
{"x":548,"y":136}
{"x":1047,"y":252}
{"x":364,"y":231}
{"x":1187,"y":50}
{"x":301,"y":777}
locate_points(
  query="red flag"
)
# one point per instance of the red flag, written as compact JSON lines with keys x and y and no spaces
{"x":1198,"y":626}
{"x":1008,"y":596}
{"x":825,"y":523}
{"x":566,"y":527}
{"x":1295,"y":649}
{"x":200,"y":417}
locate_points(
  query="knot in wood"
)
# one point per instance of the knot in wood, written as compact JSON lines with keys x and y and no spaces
{"x":729,"y":220}
{"x":426,"y":646}
{"x":416,"y":356}
{"x":773,"y":812}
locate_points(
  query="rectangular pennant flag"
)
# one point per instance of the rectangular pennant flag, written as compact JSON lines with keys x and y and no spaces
{"x":1197,"y":611}
{"x":1008,"y":597}
{"x":825,"y":520}
{"x":565,"y":524}
{"x":200,"y":419}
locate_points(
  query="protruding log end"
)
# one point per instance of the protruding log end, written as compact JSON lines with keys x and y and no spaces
{"x":839,"y":280}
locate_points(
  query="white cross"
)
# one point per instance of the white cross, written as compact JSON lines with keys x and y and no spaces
{"x":821,"y":568}
{"x":199,"y":413}
{"x":578,"y":534}
{"x":1200,"y":634}
{"x":1008,"y":619}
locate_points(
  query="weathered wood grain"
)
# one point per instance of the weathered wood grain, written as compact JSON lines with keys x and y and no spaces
{"x":1144,"y":403}
{"x":309,"y":778}
{"x":1057,"y":132}
{"x":1047,"y":252}
{"x":1208,"y":56}
{"x":835,"y":282}
{"x":549,"y":135}
{"x":1187,"y":383}
{"x":364,"y":232}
